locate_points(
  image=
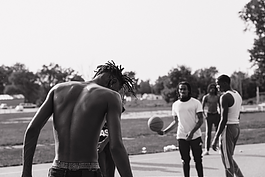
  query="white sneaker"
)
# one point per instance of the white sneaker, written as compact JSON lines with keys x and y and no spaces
{"x":206,"y":153}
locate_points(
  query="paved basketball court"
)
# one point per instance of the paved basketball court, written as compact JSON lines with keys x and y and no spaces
{"x":250,"y":158}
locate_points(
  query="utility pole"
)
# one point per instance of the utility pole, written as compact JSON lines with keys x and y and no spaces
{"x":240,"y":86}
{"x":257,"y":95}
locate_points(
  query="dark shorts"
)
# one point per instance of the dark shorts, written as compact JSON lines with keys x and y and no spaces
{"x":213,"y":119}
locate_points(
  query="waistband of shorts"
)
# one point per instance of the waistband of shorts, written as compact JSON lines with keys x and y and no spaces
{"x":232,"y":124}
{"x":212,"y":113}
{"x":75,"y":165}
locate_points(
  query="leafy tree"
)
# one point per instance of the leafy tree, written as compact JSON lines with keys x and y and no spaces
{"x":236,"y":81}
{"x":204,"y":77}
{"x":144,"y":87}
{"x":77,"y":78}
{"x":199,"y":81}
{"x":26,"y":82}
{"x":53,"y":74}
{"x":132,"y":74}
{"x":249,"y":88}
{"x":245,"y":85}
{"x":12,"y":90}
{"x":23,"y":82}
{"x":169,"y":94}
{"x":253,"y":14}
{"x":17,"y":67}
{"x":159,"y":85}
{"x":175,"y":76}
{"x":257,"y":56}
{"x":5,"y":71}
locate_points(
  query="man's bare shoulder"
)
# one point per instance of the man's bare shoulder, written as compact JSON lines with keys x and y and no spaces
{"x":67,"y":92}
{"x":68,"y":84}
{"x":100,"y":89}
{"x":227,"y":98}
{"x":205,"y":97}
{"x":88,"y":88}
{"x":226,"y":95}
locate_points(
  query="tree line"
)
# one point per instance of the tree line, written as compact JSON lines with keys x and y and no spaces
{"x":17,"y":79}
{"x":199,"y":80}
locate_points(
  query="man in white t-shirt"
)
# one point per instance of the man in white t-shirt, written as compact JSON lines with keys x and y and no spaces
{"x":188,"y":117}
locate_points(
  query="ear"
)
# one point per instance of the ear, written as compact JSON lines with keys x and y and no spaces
{"x":113,"y":81}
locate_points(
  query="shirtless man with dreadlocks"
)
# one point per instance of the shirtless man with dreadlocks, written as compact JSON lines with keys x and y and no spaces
{"x":78,"y":110}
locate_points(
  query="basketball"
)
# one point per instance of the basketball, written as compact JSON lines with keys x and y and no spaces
{"x":155,"y":124}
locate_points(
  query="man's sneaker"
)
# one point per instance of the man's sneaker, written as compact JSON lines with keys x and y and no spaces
{"x":206,"y":153}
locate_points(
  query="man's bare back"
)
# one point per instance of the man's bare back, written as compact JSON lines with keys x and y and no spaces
{"x":78,"y":115}
{"x":79,"y":110}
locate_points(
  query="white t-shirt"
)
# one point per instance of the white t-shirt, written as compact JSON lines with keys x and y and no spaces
{"x":187,"y":118}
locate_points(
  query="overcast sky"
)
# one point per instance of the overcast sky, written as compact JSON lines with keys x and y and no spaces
{"x":149,"y":37}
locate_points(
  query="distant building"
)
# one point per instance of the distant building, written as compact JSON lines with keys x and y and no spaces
{"x":128,"y":98}
{"x":151,"y":97}
{"x":12,"y":100}
{"x":145,"y":96}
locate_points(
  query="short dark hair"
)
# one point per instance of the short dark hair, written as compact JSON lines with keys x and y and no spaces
{"x":212,"y":85}
{"x":110,"y":67}
{"x":224,"y":78}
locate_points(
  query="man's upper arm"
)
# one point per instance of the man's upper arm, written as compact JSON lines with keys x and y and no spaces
{"x":199,"y":110}
{"x":219,"y":101}
{"x":113,"y":118}
{"x":204,"y":100}
{"x":44,"y":112}
{"x":175,"y":118}
{"x":224,"y":101}
{"x":198,"y":106}
{"x":200,"y":115}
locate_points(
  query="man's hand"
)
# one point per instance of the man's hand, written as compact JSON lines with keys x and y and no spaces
{"x":161,"y":132}
{"x":214,"y":144}
{"x":101,"y":146}
{"x":189,"y":136}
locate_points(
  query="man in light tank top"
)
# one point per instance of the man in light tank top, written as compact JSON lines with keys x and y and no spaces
{"x":228,"y":128}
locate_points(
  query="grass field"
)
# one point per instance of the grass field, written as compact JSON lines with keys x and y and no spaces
{"x":135,"y":132}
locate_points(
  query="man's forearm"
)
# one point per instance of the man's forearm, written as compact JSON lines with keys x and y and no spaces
{"x":28,"y":153}
{"x":197,"y":126}
{"x":122,"y":162}
{"x":171,"y":126}
{"x":220,"y":129}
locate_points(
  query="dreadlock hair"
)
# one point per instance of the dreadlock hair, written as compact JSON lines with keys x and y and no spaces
{"x":126,"y":82}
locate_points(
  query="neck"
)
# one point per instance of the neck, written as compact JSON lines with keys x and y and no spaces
{"x":102,"y":80}
{"x":227,"y":89}
{"x":184,"y":99}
